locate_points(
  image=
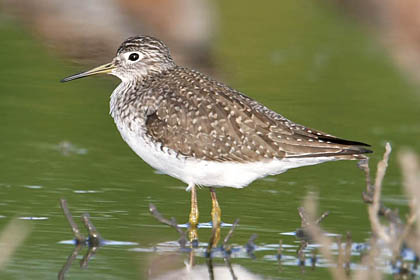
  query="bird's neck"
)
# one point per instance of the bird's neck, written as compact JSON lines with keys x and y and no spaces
{"x":132,"y":90}
{"x":118,"y":96}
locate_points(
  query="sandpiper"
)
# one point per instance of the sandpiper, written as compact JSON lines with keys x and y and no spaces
{"x":202,"y":132}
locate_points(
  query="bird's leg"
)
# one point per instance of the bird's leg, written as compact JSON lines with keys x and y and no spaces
{"x":216,"y":214}
{"x":215,"y":210}
{"x":193,"y":234}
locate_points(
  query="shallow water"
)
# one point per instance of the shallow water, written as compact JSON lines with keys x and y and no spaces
{"x":304,"y":60}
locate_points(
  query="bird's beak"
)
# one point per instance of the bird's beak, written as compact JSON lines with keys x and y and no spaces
{"x":103,"y":69}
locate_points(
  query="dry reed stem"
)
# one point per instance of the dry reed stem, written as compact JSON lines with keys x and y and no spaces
{"x":320,"y":238}
{"x":368,"y":261}
{"x":11,"y":238}
{"x":411,"y":181}
{"x":373,"y":209}
{"x":347,"y":253}
{"x":393,"y":235}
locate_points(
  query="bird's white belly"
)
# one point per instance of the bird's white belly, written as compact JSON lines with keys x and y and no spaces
{"x":207,"y":173}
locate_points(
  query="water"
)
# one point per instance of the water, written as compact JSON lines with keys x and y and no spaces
{"x":301,"y":59}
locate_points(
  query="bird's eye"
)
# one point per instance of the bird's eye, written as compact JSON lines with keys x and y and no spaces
{"x":133,"y":56}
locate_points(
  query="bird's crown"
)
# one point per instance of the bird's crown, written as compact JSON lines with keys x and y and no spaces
{"x":148,"y":46}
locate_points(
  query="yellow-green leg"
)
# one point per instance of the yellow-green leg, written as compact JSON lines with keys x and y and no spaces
{"x":193,"y":234}
{"x":216,"y":215}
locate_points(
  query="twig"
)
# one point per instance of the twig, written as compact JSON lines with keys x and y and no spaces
{"x":301,"y":252}
{"x":172,"y":223}
{"x":75,"y":229}
{"x":250,"y":245}
{"x":229,"y":235}
{"x":368,"y":195}
{"x":227,"y":249}
{"x":69,"y":262}
{"x":306,"y":218}
{"x":89,"y":254}
{"x":232,"y":272}
{"x":375,"y":206}
{"x":368,"y":260}
{"x":320,"y":238}
{"x":323,"y":216}
{"x":347,"y":255}
{"x":314,"y":259}
{"x":340,"y":257}
{"x":95,"y":238}
{"x":411,"y":169}
{"x":364,"y":166}
{"x":210,"y":268}
{"x":303,"y":217}
{"x":280,"y":251}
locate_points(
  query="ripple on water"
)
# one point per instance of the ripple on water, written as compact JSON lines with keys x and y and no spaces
{"x":34,"y":187}
{"x":104,"y":243}
{"x":86,"y":191}
{"x":33,"y":218}
{"x":205,"y":225}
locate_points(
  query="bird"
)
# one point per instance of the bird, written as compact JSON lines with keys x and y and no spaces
{"x":194,"y":128}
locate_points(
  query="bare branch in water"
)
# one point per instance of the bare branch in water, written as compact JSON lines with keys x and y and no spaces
{"x":229,"y":235}
{"x":323,"y":216}
{"x":280,"y":251}
{"x":373,"y":209}
{"x":319,"y":237}
{"x":227,"y":249}
{"x":347,"y":254}
{"x":340,"y":254}
{"x":301,"y":252}
{"x":306,"y":218}
{"x":368,"y":261}
{"x":69,"y":262}
{"x":250,"y":245}
{"x":376,"y":208}
{"x":75,"y":229}
{"x":172,"y":223}
{"x":95,"y":238}
{"x":89,"y":254}
{"x":411,"y":178}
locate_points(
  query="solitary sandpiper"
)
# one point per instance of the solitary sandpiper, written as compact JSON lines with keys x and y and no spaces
{"x":202,"y":132}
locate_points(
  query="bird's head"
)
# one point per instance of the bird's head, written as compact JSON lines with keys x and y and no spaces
{"x":136,"y":58}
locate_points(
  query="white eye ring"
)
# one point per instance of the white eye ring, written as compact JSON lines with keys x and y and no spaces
{"x":132,"y":57}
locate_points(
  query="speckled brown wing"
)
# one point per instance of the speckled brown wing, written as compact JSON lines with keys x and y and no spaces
{"x":206,"y":130}
{"x":208,"y":120}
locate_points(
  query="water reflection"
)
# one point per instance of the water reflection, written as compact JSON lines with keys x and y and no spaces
{"x":304,"y":255}
{"x":209,"y":272}
{"x":220,"y":259}
{"x":93,"y":242}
